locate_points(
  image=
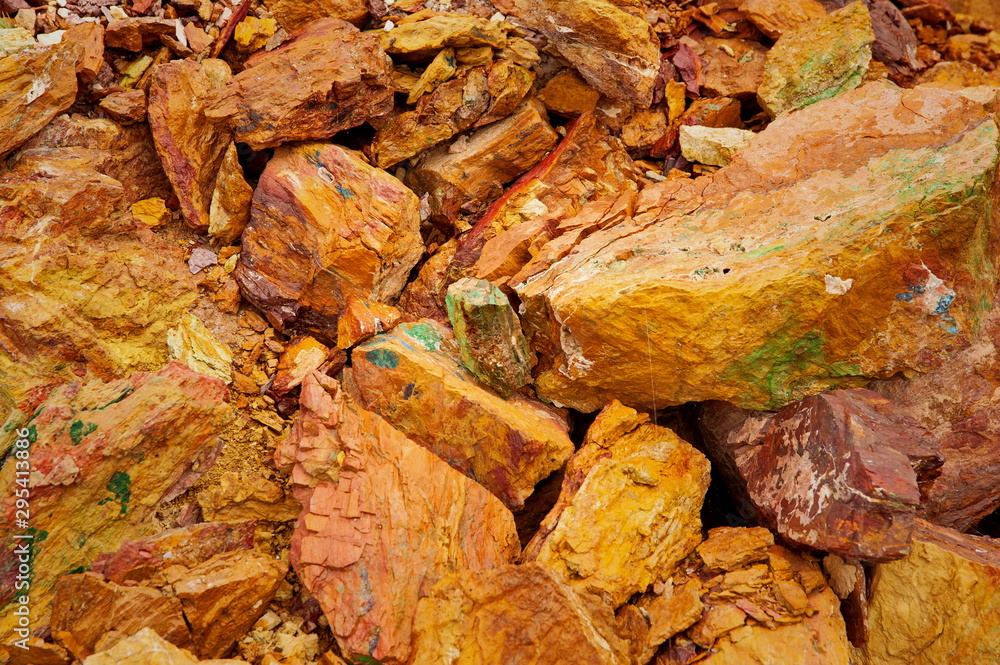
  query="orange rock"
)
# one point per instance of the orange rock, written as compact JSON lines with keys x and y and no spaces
{"x":293,"y":15}
{"x":412,"y":377}
{"x":239,"y":497}
{"x":35,"y":651}
{"x":728,"y":548}
{"x":383,"y":520}
{"x":630,"y":507}
{"x":225,"y":595}
{"x":329,"y":77}
{"x":301,"y":357}
{"x":325,"y":226}
{"x":191,"y":145}
{"x":231,"y":197}
{"x":774,"y":18}
{"x":363,"y":319}
{"x":568,"y":94}
{"x":127,"y":106}
{"x":513,"y":614}
{"x":730,"y":67}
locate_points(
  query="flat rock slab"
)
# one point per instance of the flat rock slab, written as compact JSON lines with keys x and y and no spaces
{"x":725,"y":287}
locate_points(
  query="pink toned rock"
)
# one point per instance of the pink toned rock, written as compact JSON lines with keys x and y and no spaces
{"x":383,"y":520}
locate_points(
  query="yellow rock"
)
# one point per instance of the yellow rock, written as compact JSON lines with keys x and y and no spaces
{"x":230,"y":208}
{"x":252,"y":33}
{"x":441,"y":69}
{"x":195,"y":345}
{"x":151,"y":212}
{"x":630,"y":507}
{"x":421,"y":38}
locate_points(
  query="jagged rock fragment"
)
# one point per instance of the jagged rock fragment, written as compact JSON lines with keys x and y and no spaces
{"x":413,"y":378}
{"x":383,"y":520}
{"x":568,"y":94}
{"x":489,"y":335}
{"x":776,"y":17}
{"x":194,"y":345}
{"x":817,"y":61}
{"x":430,"y":35}
{"x":230,"y":208}
{"x":151,"y":212}
{"x":680,"y":303}
{"x":712,"y":145}
{"x":104,"y":457}
{"x":616,"y":52}
{"x":240,"y":496}
{"x":293,"y":15}
{"x":300,"y":358}
{"x":730,"y":67}
{"x":629,"y":510}
{"x":252,"y":33}
{"x":520,"y":613}
{"x":325,"y":226}
{"x":148,"y":648}
{"x":329,"y":77}
{"x":363,"y":319}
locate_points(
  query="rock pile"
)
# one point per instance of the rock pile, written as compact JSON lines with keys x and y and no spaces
{"x":477,"y":332}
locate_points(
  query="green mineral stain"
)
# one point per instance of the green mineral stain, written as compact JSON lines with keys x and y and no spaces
{"x":424,"y":333}
{"x":362,"y":659}
{"x":78,"y":430}
{"x":125,"y":393}
{"x":120,"y":486}
{"x":386,"y":358}
{"x":77,"y":570}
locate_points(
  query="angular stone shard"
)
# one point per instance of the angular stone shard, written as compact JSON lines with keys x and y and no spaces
{"x":194,"y":345}
{"x":474,"y":168}
{"x":426,"y":37}
{"x":730,"y":67}
{"x":840,"y":472}
{"x":293,"y":15}
{"x":613,"y":50}
{"x":776,"y":17}
{"x":817,"y":61}
{"x":629,"y":511}
{"x":383,"y":520}
{"x":679,"y":302}
{"x":938,"y":605}
{"x":329,"y":77}
{"x":325,"y":226}
{"x":301,"y":357}
{"x":104,"y":457}
{"x":239,"y":497}
{"x":231,"y":198}
{"x":225,"y":595}
{"x":126,"y":107}
{"x":363,"y":319}
{"x":413,"y":378}
{"x":489,"y":335}
{"x":522,"y":614}
{"x":568,"y":94}
{"x":712,"y":145}
{"x":191,"y":144}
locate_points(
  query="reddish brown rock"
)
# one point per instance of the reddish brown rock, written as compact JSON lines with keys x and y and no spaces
{"x":482,"y":95}
{"x":522,"y":614}
{"x":135,"y":33}
{"x":293,"y":15}
{"x":86,"y":607}
{"x":774,"y":18}
{"x":363,"y":319}
{"x":377,"y":504}
{"x":191,"y":144}
{"x":616,"y":52}
{"x":413,"y":377}
{"x":629,"y":511}
{"x":138,"y":560}
{"x":730,"y":67}
{"x":225,"y":595}
{"x":38,"y":84}
{"x":473,"y":169}
{"x":104,"y":457}
{"x":328,"y":78}
{"x":126,"y":107}
{"x":35,"y":651}
{"x":231,"y":200}
{"x":839,"y":472}
{"x":356,"y":231}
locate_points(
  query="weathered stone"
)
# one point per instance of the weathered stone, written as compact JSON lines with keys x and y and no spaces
{"x":413,"y":378}
{"x":148,"y":648}
{"x":151,"y":212}
{"x":776,"y":17}
{"x":937,"y":605}
{"x":356,"y":231}
{"x":191,"y":144}
{"x":231,"y":200}
{"x":568,"y":94}
{"x":86,"y":607}
{"x":474,"y":168}
{"x":34,"y":651}
{"x":895,"y":42}
{"x":239,"y":497}
{"x":194,"y":345}
{"x":96,"y":289}
{"x":480,"y":96}
{"x":730,"y":67}
{"x":712,"y":145}
{"x":329,"y":77}
{"x":363,"y":319}
{"x":294,"y":15}
{"x":954,"y":75}
{"x":126,"y":107}
{"x":383,"y":520}
{"x":134,"y":33}
{"x":300,"y":358}
{"x":252,"y":33}
{"x":820,"y":60}
{"x":729,"y":548}
{"x":630,"y":507}
{"x":225,"y":595}
{"x":616,"y":52}
{"x":959,"y":403}
{"x":442,"y":68}
{"x":138,"y":560}
{"x":513,"y":614}
{"x":424,"y":38}
{"x":15,"y":40}
{"x":839,"y":472}
{"x":489,"y":335}
{"x":775,"y":320}
{"x":36,"y":85}
{"x":981,"y":9}
{"x":127,"y":153}
{"x":104,"y":457}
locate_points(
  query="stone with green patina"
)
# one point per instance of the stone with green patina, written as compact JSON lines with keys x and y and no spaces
{"x":489,"y":335}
